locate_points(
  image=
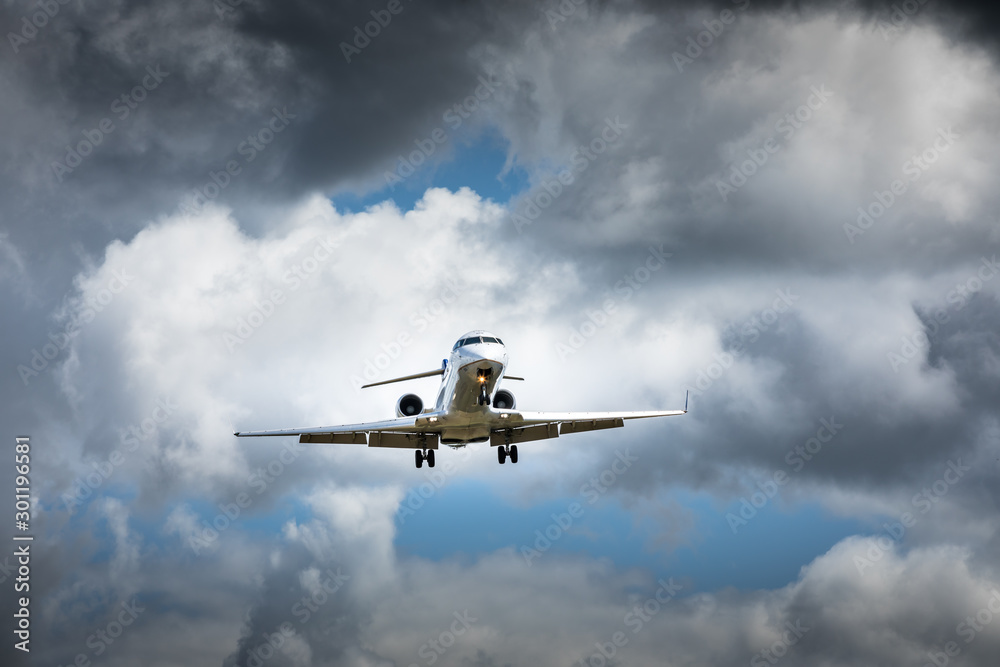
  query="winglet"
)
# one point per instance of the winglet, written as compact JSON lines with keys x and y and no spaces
{"x":686,"y":395}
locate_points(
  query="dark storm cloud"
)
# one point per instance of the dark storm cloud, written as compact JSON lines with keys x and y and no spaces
{"x":229,"y":73}
{"x":220,"y":77}
{"x":323,"y":617}
{"x":966,"y":18}
{"x":225,"y":75}
{"x":660,"y":180}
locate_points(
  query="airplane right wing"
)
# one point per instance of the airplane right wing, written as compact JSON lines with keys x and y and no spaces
{"x":418,"y":432}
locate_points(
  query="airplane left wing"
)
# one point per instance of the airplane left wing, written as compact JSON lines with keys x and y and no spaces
{"x":527,"y":426}
{"x":532,"y":418}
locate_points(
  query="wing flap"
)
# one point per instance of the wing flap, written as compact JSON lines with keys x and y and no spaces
{"x":403,"y":440}
{"x":581,"y":426}
{"x":516,"y":435}
{"x":349,"y":438}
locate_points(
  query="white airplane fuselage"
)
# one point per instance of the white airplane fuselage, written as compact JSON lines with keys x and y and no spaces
{"x":470,"y":370}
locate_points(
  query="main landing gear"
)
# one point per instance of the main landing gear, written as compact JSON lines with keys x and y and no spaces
{"x":425,"y":455}
{"x":503,"y":451}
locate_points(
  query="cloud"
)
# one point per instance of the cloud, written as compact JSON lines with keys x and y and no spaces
{"x":837,"y":612}
{"x":162,"y":296}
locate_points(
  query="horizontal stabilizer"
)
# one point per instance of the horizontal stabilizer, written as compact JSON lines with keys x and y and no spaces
{"x":428,"y":374}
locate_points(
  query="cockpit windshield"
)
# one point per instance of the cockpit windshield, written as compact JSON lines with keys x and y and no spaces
{"x":476,"y":339}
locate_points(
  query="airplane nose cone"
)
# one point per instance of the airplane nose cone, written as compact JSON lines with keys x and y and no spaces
{"x":486,"y":353}
{"x":478,"y":351}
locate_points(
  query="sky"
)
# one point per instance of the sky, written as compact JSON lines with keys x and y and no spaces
{"x":231,"y":214}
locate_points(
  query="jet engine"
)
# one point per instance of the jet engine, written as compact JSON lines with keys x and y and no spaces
{"x":503,"y":400}
{"x":409,"y":405}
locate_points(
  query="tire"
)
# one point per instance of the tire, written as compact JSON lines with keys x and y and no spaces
{"x":513,"y":453}
{"x":430,"y":458}
{"x":419,"y":458}
{"x":501,"y":454}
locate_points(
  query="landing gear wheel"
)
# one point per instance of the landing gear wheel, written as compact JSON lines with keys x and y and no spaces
{"x":484,"y":398}
{"x":420,"y":458}
{"x":512,"y":453}
{"x":429,"y":456}
{"x":501,"y":454}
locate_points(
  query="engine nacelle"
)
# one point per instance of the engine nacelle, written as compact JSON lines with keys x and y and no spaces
{"x":503,"y":400}
{"x":409,"y":405}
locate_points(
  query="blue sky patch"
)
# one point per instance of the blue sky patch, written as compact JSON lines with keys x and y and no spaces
{"x":465,"y":519}
{"x":476,"y":164}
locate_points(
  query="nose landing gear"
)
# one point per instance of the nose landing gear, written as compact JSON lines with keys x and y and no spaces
{"x":484,"y":398}
{"x":483,"y":375}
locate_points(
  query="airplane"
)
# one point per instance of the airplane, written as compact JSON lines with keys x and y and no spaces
{"x":470,"y":408}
